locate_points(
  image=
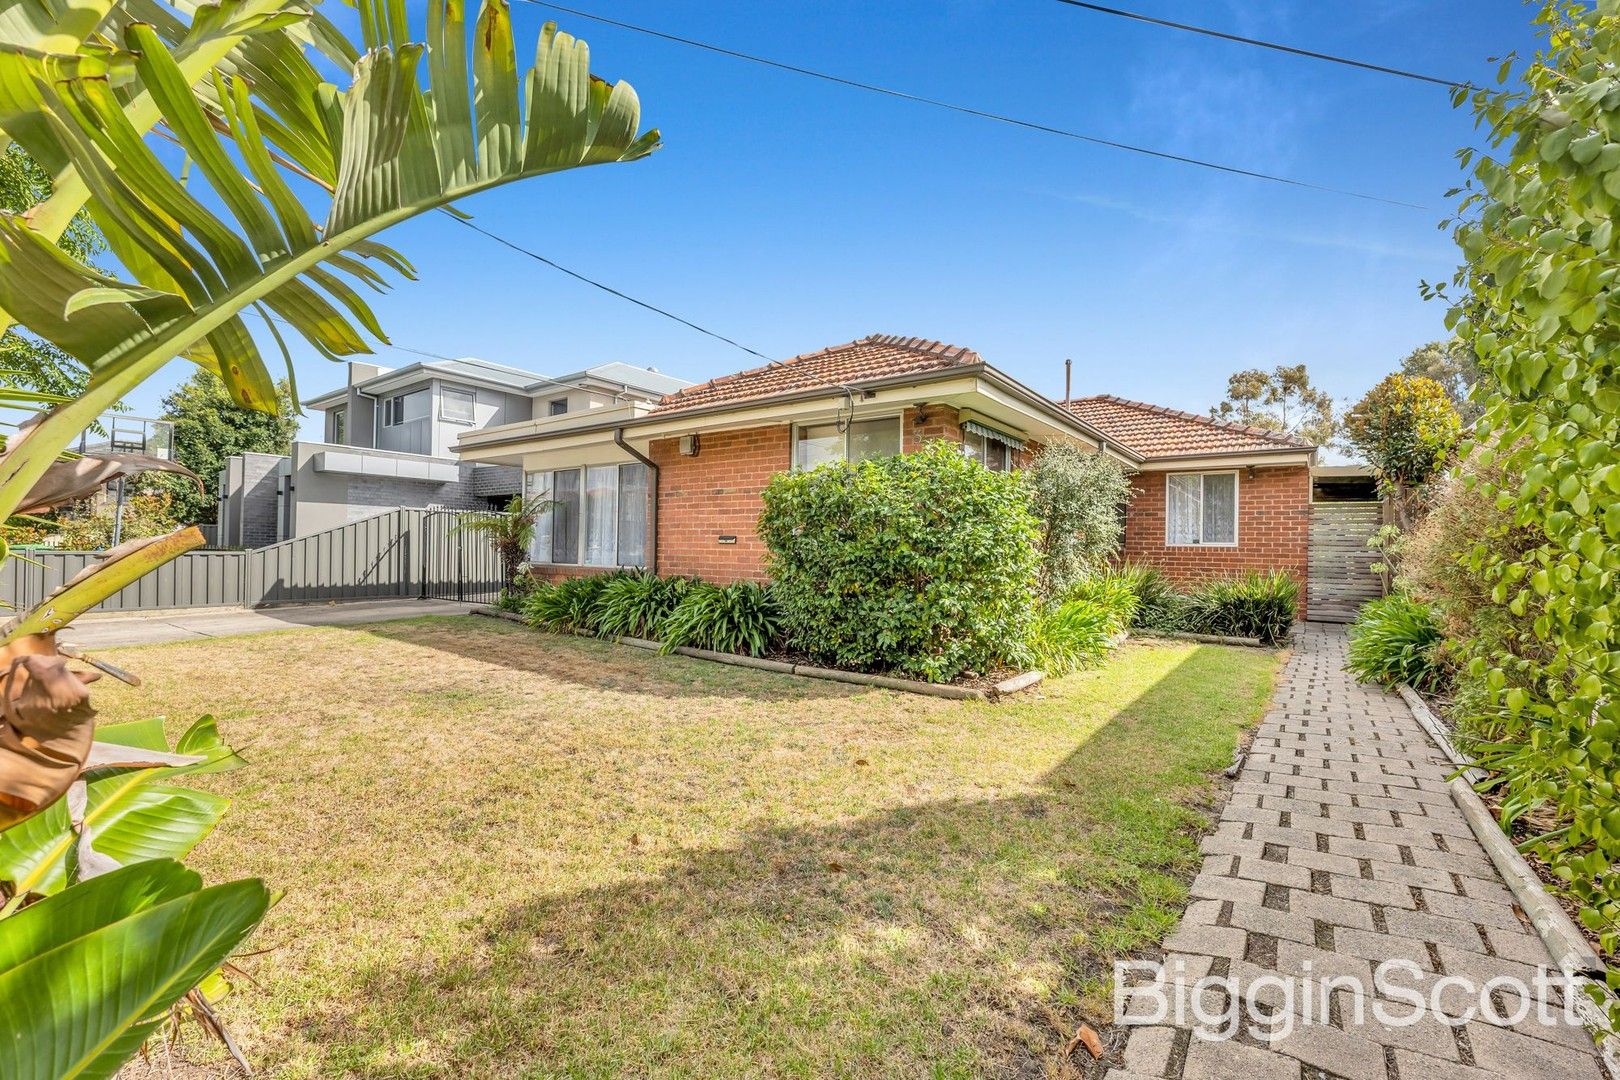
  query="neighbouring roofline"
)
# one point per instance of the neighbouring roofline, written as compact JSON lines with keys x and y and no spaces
{"x":1280,"y":443}
{"x":978,"y":370}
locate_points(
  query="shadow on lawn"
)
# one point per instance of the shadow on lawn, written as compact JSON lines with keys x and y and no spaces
{"x":594,"y":664}
{"x":957,"y":933}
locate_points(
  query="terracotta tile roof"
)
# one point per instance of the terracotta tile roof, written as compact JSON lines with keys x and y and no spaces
{"x":869,"y":359}
{"x":1155,"y":431}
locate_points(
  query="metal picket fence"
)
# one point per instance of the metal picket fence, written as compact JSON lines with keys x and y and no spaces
{"x":398,"y":553}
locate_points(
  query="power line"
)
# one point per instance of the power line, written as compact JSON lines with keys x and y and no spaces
{"x":968,"y":110}
{"x":846,"y":390}
{"x":1290,"y":49}
{"x":610,"y":290}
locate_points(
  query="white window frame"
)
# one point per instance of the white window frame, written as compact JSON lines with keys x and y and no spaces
{"x":1237,"y":509}
{"x":793,"y":442}
{"x":459,"y":391}
{"x":579,"y":540}
{"x":983,"y":455}
{"x":339,"y":425}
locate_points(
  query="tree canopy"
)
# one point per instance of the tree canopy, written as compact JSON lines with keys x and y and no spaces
{"x":1281,"y":400}
{"x":1407,"y":430}
{"x":1454,"y":365}
{"x":208,"y":428}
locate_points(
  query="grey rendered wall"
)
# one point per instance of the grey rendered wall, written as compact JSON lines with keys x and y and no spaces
{"x":325,"y":500}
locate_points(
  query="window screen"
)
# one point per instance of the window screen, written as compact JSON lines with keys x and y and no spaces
{"x":565,"y":516}
{"x":632,"y":515}
{"x":456,"y":405}
{"x":602,"y":515}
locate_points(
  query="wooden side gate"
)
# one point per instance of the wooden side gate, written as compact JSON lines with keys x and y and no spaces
{"x":1342,"y":577}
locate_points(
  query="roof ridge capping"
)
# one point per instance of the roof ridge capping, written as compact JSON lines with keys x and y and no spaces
{"x":1212,"y":421}
{"x":955,"y":353}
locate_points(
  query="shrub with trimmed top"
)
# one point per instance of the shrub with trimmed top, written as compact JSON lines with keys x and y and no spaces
{"x":920,"y":563}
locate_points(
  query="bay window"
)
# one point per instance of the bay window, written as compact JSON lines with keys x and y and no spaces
{"x":1201,"y":509}
{"x":818,"y":444}
{"x":596,"y":515}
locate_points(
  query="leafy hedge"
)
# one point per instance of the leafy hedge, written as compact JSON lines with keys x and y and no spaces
{"x":1397,"y":639}
{"x":921,"y":563}
{"x":1536,"y":298}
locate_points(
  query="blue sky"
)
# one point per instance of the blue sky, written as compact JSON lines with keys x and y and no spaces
{"x":792,"y":214}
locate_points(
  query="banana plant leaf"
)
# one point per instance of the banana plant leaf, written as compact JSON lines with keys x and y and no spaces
{"x":401,"y":150}
{"x":89,"y":974}
{"x":71,"y":479}
{"x":46,"y":726}
{"x":117,"y":568}
{"x":134,"y":813}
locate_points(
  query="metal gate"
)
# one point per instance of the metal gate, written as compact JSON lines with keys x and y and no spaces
{"x":458,"y":562}
{"x":1342,"y":577}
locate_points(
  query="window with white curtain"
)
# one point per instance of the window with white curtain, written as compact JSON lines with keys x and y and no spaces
{"x":817,"y":444}
{"x":597,"y":516}
{"x":1201,"y":509}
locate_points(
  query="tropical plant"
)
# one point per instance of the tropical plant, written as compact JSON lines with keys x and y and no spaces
{"x":738,"y":618}
{"x":1080,"y":499}
{"x":244,"y":90}
{"x":636,"y":605}
{"x":1111,"y":591}
{"x":1257,"y":604}
{"x":922,"y":563}
{"x":1536,"y":298}
{"x":511,"y":531}
{"x":570,"y":604}
{"x":1397,"y":640}
{"x":1408,"y":430}
{"x":1070,"y":635}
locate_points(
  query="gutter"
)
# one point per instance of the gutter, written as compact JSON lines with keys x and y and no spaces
{"x":980,"y":370}
{"x":652,"y":504}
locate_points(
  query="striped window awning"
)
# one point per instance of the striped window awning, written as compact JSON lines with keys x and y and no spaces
{"x":976,"y":428}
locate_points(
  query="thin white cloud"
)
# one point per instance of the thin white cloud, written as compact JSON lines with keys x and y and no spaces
{"x":1216,"y":223}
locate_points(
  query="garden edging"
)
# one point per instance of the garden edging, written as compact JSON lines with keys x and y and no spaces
{"x":1022,"y":681}
{"x":1206,"y":639}
{"x":1563,"y":941}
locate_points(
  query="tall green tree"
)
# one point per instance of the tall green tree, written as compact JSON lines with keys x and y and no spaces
{"x":1538,"y":298}
{"x":208,"y":428}
{"x":1455,"y":367}
{"x":1281,"y":400}
{"x":1407,"y":429}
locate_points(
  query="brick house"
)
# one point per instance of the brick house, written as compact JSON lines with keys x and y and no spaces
{"x":674,"y":485}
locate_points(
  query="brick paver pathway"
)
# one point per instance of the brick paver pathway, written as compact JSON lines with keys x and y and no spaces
{"x":1340,"y":849}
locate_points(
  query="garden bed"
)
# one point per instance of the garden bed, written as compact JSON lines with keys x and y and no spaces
{"x":980,"y":688}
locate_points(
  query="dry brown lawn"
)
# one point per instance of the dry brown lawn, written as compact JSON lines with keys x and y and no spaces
{"x":507,"y":853}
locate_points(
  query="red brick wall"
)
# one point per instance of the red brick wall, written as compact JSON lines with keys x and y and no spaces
{"x":940,"y":422}
{"x":716,"y":494}
{"x":1274,"y":524}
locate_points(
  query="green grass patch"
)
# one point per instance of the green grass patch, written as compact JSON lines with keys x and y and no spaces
{"x":522,"y":854}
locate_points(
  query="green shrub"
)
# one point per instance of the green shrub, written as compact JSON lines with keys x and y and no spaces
{"x":1070,"y":635}
{"x":1079,"y":499}
{"x":1397,"y":639}
{"x":1256,"y":604}
{"x":569,"y":604}
{"x":1109,"y":590}
{"x":514,"y":596}
{"x":921,"y":563}
{"x":634,"y":605}
{"x":737,"y":618}
{"x":1158,"y":605}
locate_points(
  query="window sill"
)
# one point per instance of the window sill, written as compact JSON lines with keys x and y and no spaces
{"x":1227,"y":547}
